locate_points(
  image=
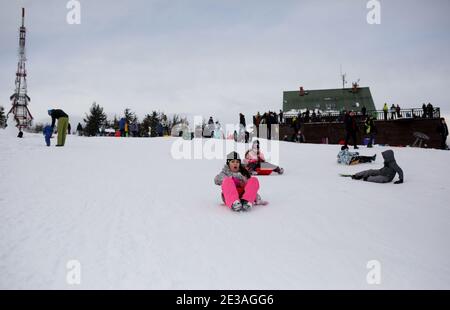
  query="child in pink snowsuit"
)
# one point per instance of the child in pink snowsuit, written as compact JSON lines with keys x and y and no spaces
{"x":254,"y":159}
{"x":239,"y":189}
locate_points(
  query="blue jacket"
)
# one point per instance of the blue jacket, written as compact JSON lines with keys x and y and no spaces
{"x":48,"y":131}
{"x":345,"y":157}
{"x":122,"y":124}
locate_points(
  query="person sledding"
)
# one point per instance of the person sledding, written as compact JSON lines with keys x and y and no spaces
{"x":254,"y":160}
{"x":346,"y":157}
{"x":239,"y":188}
{"x":385,"y":174}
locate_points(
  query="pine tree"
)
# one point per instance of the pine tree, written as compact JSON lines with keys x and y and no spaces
{"x":115,"y":123}
{"x":144,"y":126}
{"x":2,"y":117}
{"x":129,"y":116}
{"x":95,"y":120}
{"x":152,"y":121}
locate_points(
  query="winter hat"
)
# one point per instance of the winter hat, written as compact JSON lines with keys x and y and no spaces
{"x":232,"y":156}
{"x":344,"y":147}
{"x":50,"y":112}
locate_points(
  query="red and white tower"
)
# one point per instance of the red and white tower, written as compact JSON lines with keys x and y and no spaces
{"x":20,"y":98}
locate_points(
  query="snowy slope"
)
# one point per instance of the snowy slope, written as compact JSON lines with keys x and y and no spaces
{"x":134,"y":217}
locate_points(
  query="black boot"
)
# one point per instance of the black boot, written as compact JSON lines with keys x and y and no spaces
{"x":246,"y":205}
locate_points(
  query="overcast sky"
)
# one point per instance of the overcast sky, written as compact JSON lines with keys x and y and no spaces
{"x":219,"y":58}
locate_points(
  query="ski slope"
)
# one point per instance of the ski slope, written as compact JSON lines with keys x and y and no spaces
{"x":136,"y":218}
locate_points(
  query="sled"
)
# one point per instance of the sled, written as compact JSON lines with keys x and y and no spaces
{"x":263,"y":171}
{"x":345,"y":175}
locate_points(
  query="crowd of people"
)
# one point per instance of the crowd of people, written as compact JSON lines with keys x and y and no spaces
{"x":427,"y":110}
{"x":213,"y":129}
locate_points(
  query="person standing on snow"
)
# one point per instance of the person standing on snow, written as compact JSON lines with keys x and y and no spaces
{"x":370,"y":129}
{"x":242,"y":120}
{"x":218,"y":132}
{"x":385,"y":174}
{"x":47,"y":131}
{"x":63,"y":121}
{"x":351,"y":128}
{"x":239,"y":188}
{"x":126,"y":128}
{"x":122,"y":126}
{"x":79,"y":129}
{"x":443,"y":131}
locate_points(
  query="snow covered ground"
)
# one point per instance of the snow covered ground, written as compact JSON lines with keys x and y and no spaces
{"x":134,"y":217}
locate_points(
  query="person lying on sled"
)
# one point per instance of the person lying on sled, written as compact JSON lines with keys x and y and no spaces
{"x":254,"y":159}
{"x":346,"y":157}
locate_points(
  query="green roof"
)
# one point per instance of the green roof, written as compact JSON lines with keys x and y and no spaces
{"x":329,"y":99}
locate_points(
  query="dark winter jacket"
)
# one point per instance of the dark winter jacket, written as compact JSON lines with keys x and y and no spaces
{"x":390,"y":166}
{"x":56,"y":114}
{"x":242,"y":119}
{"x":350,"y":123}
{"x":385,"y":174}
{"x":443,"y":129}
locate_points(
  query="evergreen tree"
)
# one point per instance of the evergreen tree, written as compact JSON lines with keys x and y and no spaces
{"x":143,"y":129}
{"x":95,"y":120}
{"x":115,"y":123}
{"x":2,"y":117}
{"x":130,"y":116}
{"x":152,"y":121}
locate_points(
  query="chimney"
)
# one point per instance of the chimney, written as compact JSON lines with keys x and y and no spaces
{"x":302,"y":91}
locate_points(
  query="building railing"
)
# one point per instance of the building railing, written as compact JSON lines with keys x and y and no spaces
{"x":414,"y":113}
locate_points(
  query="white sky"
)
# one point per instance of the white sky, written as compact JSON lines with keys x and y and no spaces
{"x":220,"y":58}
